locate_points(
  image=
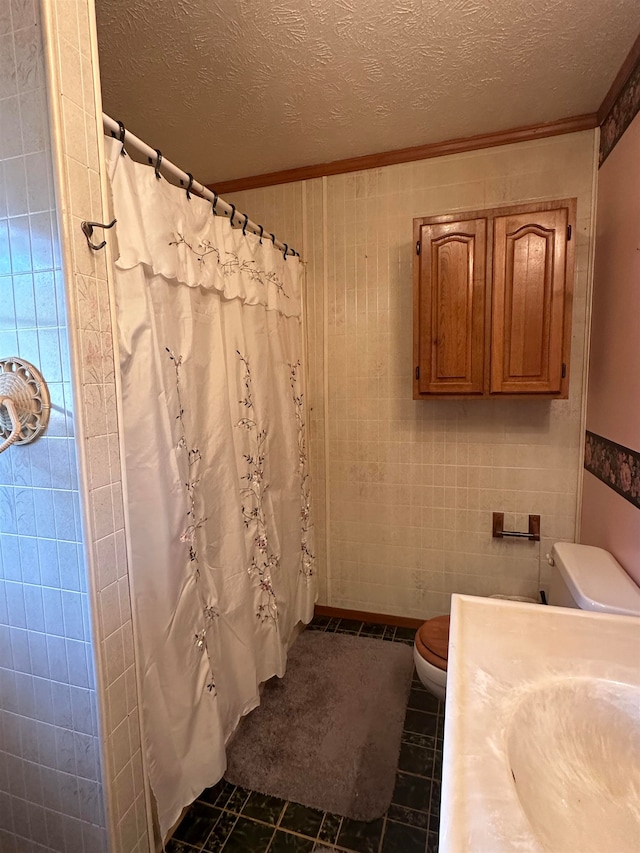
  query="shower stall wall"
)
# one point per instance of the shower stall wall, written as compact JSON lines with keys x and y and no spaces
{"x":51,"y":779}
{"x":71,"y":764}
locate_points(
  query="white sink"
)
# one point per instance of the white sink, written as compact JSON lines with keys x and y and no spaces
{"x":573,"y":747}
{"x":542,"y":730}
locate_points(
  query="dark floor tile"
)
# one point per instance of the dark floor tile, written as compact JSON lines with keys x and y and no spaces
{"x":285,"y":842}
{"x":264,"y":808}
{"x":360,"y":836}
{"x":420,"y":722}
{"x":399,"y":838}
{"x":350,"y":626}
{"x":412,"y":791}
{"x":421,"y":700}
{"x":218,"y":794}
{"x":247,"y":835}
{"x":432,"y":843}
{"x":415,"y":759}
{"x":322,"y":848}
{"x":236,"y":801}
{"x":330,"y":828}
{"x":225,"y":794}
{"x":437,"y":765}
{"x":197,"y":824}
{"x":319,"y":622}
{"x":434,"y":822}
{"x":370,"y":629}
{"x":220,"y":832}
{"x":405,"y":634}
{"x":302,"y":819}
{"x":174,"y":846}
{"x":434,"y":806}
{"x":411,"y":817}
{"x":424,"y":741}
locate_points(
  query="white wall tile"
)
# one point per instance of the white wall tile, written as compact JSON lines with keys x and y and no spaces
{"x":42,"y":604}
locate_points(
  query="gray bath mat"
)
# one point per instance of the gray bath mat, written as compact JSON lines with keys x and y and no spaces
{"x":328,"y":734}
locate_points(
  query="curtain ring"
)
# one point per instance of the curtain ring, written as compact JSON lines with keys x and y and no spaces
{"x":215,"y":201}
{"x":233,"y":213}
{"x":121,"y":138}
{"x":158,"y":164}
{"x":261,"y":233}
{"x":190,"y":185}
{"x":273,"y":238}
{"x":286,"y":249}
{"x":244,"y":227}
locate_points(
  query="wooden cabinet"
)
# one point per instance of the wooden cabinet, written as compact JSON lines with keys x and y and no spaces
{"x":492,"y":302}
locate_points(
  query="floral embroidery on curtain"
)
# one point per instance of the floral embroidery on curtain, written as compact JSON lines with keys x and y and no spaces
{"x":307,"y":559}
{"x":263,"y":560}
{"x":232,"y":265}
{"x":219,"y":511}
{"x":194,"y":524}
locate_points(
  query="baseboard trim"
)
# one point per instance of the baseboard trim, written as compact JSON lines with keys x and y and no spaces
{"x":365,"y":616}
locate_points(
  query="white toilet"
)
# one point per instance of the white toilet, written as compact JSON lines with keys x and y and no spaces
{"x":582,"y":576}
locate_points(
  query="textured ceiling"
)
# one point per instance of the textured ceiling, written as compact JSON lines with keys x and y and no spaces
{"x":228,"y":88}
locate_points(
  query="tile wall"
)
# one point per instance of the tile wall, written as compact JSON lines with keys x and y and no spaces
{"x":294,"y":212}
{"x":409,"y":486}
{"x":74,"y":90}
{"x":51,"y":793}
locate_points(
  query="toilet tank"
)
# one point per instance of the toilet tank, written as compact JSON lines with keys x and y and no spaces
{"x":591,"y":578}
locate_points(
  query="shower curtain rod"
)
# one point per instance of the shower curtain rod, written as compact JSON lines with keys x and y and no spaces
{"x":179,"y":178}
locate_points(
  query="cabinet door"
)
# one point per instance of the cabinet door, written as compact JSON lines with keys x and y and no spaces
{"x":452,"y":307}
{"x":528,"y":302}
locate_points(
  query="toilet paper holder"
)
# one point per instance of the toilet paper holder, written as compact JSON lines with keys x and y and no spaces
{"x":499,"y":532}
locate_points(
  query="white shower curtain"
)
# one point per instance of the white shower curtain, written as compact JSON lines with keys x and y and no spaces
{"x":209,"y":330}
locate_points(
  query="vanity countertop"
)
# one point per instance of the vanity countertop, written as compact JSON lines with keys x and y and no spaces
{"x":542,"y":730}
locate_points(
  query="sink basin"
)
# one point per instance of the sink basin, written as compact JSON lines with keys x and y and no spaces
{"x":573,"y":748}
{"x":542,"y":730}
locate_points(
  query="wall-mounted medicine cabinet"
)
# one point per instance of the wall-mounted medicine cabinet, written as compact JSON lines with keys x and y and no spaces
{"x":492,"y":302}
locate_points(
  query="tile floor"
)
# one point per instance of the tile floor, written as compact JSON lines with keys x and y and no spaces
{"x":233,"y":820}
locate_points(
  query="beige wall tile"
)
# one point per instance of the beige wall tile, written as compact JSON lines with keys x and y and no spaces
{"x":73,"y":87}
{"x":404,"y":490}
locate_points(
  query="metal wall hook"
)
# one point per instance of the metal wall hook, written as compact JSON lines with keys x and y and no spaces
{"x":87,"y":230}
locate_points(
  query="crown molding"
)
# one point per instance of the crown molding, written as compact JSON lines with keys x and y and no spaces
{"x":407,"y":155}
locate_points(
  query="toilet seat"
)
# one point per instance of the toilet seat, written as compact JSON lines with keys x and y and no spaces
{"x":432,"y":641}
